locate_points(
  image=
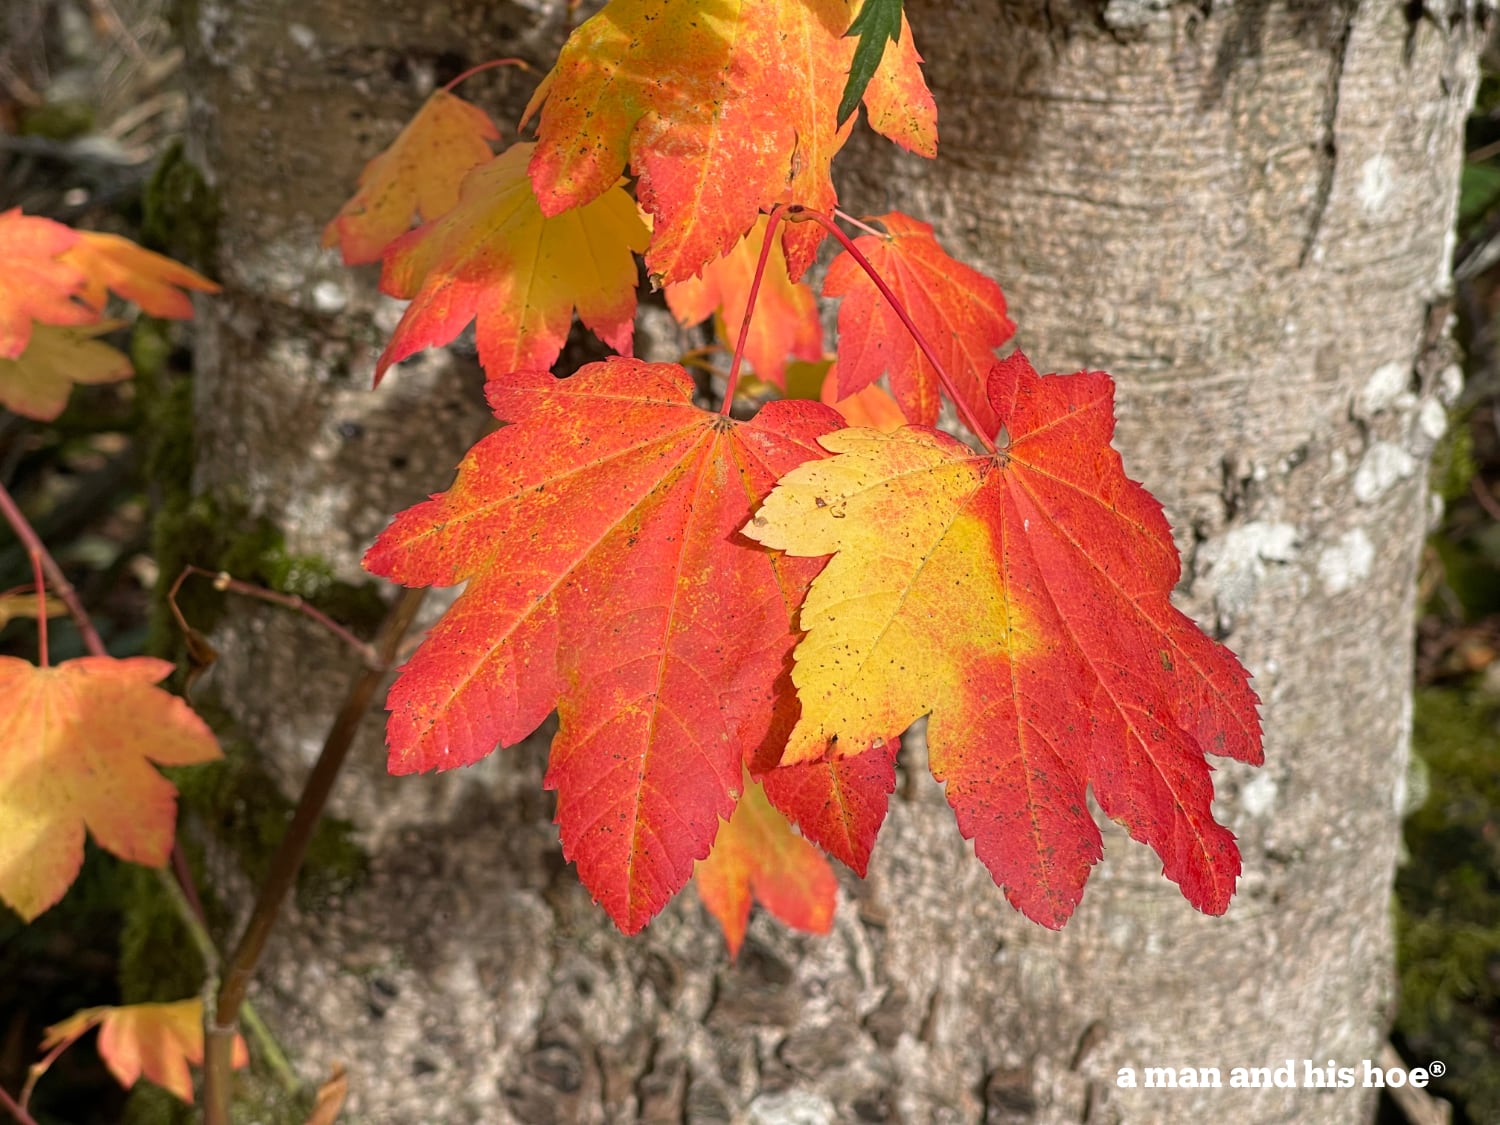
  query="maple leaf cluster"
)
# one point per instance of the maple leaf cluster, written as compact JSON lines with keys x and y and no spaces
{"x":735,"y":621}
{"x":54,"y":290}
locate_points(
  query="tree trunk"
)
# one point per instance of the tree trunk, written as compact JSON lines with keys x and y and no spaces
{"x":1241,"y":212}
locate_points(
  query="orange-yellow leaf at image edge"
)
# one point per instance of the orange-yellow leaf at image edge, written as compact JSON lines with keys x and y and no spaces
{"x":721,"y":111}
{"x":495,"y":259}
{"x":597,"y":533}
{"x":37,"y":385}
{"x":417,"y":175}
{"x":36,"y":283}
{"x":785,"y":322}
{"x":77,"y":743}
{"x":1022,"y":601}
{"x":158,"y":1041}
{"x":156,"y":283}
{"x":757,"y":855}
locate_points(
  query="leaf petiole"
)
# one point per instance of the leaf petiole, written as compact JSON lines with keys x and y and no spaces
{"x":861,"y":224}
{"x":799,"y":214}
{"x":60,"y":584}
{"x":777,"y":213}
{"x":481,"y":67}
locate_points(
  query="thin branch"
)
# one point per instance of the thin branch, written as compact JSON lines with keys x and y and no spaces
{"x":224,"y":582}
{"x":10,"y":1105}
{"x":220,"y":1024}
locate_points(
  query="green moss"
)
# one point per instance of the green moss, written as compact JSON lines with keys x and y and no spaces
{"x":59,"y":121}
{"x":250,"y":815}
{"x":1453,"y":464}
{"x":180,"y":211}
{"x":255,"y":1099}
{"x":1448,"y":900}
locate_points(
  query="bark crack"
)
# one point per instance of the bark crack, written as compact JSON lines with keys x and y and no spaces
{"x":1329,"y":147}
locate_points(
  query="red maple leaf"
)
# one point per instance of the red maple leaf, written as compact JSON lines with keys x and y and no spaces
{"x":598,"y":535}
{"x":959,"y":311}
{"x":1022,"y":599}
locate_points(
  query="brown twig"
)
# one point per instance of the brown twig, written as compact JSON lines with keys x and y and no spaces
{"x":221,"y":1022}
{"x":227,"y":583}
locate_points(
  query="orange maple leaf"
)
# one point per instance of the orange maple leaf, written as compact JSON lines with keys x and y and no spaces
{"x":871,"y":407}
{"x":597,"y":535}
{"x":722,"y":111}
{"x":496,"y":258}
{"x":756,"y":854}
{"x":1022,"y":599}
{"x":959,"y":311}
{"x":37,"y":384}
{"x":155,"y":1040}
{"x":79,"y":740}
{"x":785,"y":322}
{"x":898,"y":103}
{"x":419,"y":174}
{"x":154,"y":282}
{"x":36,"y":283}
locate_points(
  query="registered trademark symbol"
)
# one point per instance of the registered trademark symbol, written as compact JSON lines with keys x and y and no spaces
{"x":1438,"y":1068}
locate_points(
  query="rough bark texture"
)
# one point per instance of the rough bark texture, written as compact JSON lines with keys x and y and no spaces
{"x":1241,"y":212}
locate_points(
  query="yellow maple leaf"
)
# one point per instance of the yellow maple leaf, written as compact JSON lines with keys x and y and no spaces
{"x":494,"y":258}
{"x":38,"y":383}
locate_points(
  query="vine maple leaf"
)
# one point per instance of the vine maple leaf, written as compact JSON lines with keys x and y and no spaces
{"x":418,"y":174}
{"x":598,"y":535}
{"x":36,"y":284}
{"x":79,"y":740}
{"x":757,"y":855}
{"x":839,"y":804}
{"x":721,"y":109}
{"x":786,"y":312}
{"x":959,"y":310}
{"x":1022,"y":600}
{"x":897,"y":102}
{"x":495,"y":257}
{"x":37,"y":384}
{"x":159,"y":1041}
{"x":156,"y":283}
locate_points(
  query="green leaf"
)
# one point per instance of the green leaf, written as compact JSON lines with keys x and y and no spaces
{"x":878,"y":21}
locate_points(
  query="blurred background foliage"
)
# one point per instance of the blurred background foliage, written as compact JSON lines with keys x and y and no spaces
{"x":1448,"y":890}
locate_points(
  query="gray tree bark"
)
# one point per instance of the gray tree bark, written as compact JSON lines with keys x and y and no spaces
{"x":1242,"y":212}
